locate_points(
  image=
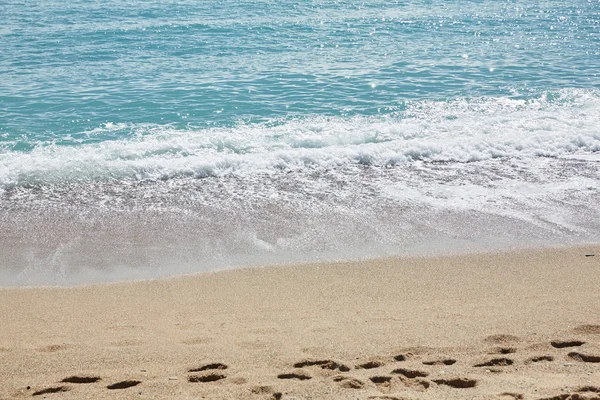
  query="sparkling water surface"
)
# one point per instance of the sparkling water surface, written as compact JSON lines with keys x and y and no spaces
{"x":69,"y":68}
{"x":146,"y":138}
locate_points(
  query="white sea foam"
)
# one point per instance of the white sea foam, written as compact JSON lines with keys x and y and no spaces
{"x":457,"y":131}
{"x":465,"y":175}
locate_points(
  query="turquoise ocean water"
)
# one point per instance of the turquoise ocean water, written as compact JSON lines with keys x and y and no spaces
{"x":147,"y":138}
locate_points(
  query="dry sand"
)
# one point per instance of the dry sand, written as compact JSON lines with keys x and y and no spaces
{"x":494,"y":326}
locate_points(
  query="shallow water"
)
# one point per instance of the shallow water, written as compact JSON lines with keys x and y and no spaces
{"x":152,"y":138}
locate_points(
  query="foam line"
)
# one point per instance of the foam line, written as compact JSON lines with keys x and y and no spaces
{"x":563,"y":125}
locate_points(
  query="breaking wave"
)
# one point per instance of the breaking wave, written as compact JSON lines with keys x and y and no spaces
{"x":560,"y":124}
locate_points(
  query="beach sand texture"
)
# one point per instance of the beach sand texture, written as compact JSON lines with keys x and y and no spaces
{"x":516,"y":325}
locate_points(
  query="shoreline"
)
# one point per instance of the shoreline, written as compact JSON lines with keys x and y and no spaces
{"x":249,"y":327}
{"x":431,"y":252}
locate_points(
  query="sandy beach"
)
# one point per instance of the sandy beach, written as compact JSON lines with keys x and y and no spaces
{"x":515,"y":325}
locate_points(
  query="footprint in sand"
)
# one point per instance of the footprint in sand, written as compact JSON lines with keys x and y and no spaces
{"x":81,"y":379}
{"x":403,"y":357}
{"x":212,"y":377}
{"x":561,"y":344}
{"x":515,"y":396}
{"x":537,"y":359}
{"x":496,"y":362}
{"x":49,"y":390}
{"x":381,"y":380}
{"x":324,"y":364}
{"x":123,"y":385}
{"x":457,"y":383}
{"x":591,"y":389}
{"x":370,"y":364}
{"x":349,"y":383}
{"x":208,"y":367}
{"x":208,"y":373}
{"x":446,"y":361}
{"x":410,"y":373}
{"x":301,"y":376}
{"x":584,"y":357}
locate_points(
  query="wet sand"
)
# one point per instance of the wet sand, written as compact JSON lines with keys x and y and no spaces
{"x":513,"y":325}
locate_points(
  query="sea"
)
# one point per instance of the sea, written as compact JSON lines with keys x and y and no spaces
{"x":145,"y":139}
